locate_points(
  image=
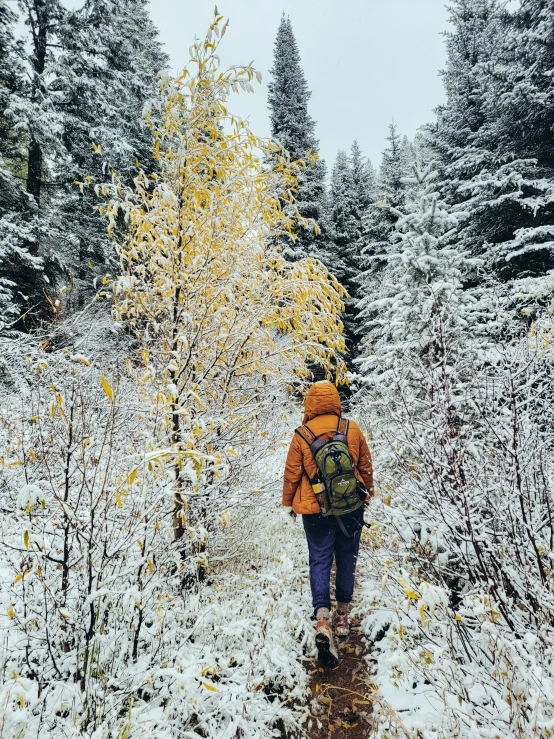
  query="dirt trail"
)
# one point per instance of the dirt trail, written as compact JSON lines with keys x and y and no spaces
{"x":341,"y":697}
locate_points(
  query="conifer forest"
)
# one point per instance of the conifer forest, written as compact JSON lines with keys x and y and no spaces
{"x":171,"y":284}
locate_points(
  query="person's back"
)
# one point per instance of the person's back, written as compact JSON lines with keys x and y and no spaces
{"x":329,"y":537}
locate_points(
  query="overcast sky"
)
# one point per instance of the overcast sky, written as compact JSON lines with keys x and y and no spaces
{"x":366,"y":61}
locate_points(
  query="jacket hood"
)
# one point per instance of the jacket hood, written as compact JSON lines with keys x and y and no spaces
{"x":322,"y":398}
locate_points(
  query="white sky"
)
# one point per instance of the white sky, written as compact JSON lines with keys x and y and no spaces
{"x":366,"y":61}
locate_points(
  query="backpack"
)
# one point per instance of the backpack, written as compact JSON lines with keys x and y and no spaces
{"x":336,"y":487}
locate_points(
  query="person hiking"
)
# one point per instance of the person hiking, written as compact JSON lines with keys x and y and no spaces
{"x":329,"y":536}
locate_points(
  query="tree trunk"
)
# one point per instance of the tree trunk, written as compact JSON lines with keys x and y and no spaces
{"x":38,"y":16}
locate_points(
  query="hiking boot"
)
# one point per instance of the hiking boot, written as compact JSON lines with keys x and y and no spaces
{"x":326,"y":650}
{"x":340,"y":624}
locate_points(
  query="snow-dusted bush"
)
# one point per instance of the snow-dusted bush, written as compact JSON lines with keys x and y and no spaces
{"x":110,"y":625}
{"x":462,"y":421}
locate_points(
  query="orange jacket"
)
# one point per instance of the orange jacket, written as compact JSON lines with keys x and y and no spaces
{"x":321,"y":414}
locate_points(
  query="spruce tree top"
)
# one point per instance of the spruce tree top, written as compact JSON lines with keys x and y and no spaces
{"x":291,"y":124}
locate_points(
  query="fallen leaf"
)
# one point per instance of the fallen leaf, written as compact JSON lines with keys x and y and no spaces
{"x":107,"y":388}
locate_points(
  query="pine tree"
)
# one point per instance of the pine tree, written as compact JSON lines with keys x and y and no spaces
{"x":92,"y":72}
{"x":106,"y":84}
{"x":40,"y":116}
{"x":294,"y":129}
{"x":515,"y":202}
{"x":343,"y":257}
{"x":380,"y":218}
{"x":45,"y":20}
{"x":351,"y":191}
{"x":342,"y":211}
{"x":392,"y":172}
{"x":421,"y":309}
{"x":363,"y":180}
{"x":463,"y":139}
{"x":459,"y":141}
{"x":11,"y":85}
{"x":20,"y":268}
{"x":493,"y":136}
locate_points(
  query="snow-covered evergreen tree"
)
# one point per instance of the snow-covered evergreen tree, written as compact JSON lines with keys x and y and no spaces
{"x":389,"y":193}
{"x":342,"y":211}
{"x":472,"y":43}
{"x":422,"y":309}
{"x":43,"y":120}
{"x":92,"y":71}
{"x":493,"y":135}
{"x":515,"y":193}
{"x":294,"y":129}
{"x":363,"y":180}
{"x":19,"y":266}
{"x":423,"y":335}
{"x":11,"y":84}
{"x":351,"y":192}
{"x":106,"y":84}
{"x":392,"y":174}
{"x":344,"y":258}
{"x":379,"y":219}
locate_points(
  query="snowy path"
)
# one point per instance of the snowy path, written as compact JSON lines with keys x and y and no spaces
{"x":342,"y":698}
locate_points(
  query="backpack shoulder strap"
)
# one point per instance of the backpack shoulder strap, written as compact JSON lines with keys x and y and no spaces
{"x":342,"y":426}
{"x":307,"y":434}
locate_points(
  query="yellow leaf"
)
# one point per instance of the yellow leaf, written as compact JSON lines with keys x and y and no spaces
{"x":10,"y":611}
{"x":209,"y":687}
{"x":21,"y":702}
{"x":107,"y":388}
{"x":118,"y":499}
{"x":18,"y":578}
{"x":132,"y":477}
{"x":26,"y":540}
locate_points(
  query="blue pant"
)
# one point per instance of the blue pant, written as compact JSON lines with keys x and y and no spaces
{"x":325,"y":542}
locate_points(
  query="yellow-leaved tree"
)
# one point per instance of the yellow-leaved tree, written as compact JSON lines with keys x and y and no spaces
{"x":220,"y":315}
